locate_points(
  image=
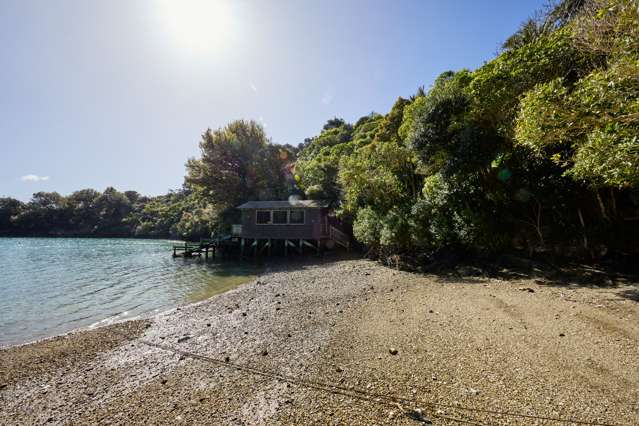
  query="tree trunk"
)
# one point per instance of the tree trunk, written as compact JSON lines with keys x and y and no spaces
{"x":583,"y":226}
{"x":602,"y":207}
{"x":613,"y":202}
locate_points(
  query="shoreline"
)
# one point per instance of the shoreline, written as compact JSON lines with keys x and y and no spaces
{"x":474,"y":342}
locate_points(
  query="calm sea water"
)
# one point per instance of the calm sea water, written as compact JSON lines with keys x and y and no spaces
{"x":50,"y":286}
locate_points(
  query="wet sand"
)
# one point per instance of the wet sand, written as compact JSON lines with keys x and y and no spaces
{"x":346,"y":342}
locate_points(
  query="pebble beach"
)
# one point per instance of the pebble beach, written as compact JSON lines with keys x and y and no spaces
{"x":346,"y":342}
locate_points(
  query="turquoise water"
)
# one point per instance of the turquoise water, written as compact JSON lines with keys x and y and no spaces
{"x":49,"y":286}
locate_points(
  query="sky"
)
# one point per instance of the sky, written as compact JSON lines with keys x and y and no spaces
{"x":98,"y":93}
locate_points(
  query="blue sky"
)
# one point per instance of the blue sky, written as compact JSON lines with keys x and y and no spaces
{"x":97,"y":93}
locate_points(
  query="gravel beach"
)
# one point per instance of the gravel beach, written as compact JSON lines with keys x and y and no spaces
{"x":347,"y":342}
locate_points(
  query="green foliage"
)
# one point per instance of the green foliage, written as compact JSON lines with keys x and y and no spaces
{"x":497,"y":86}
{"x":238,"y":163}
{"x":590,"y":128}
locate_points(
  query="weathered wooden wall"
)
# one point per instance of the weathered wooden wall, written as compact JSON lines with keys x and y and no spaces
{"x":312,"y":229}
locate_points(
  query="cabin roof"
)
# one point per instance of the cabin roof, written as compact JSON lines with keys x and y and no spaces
{"x":305,"y":204}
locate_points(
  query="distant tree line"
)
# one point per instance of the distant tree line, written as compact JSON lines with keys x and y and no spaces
{"x":238,"y":163}
{"x":538,"y":149}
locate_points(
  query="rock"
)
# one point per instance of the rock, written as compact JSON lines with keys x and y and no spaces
{"x":164,"y":381}
{"x":562,"y":335}
{"x":183,"y":338}
{"x":469,"y":271}
{"x":339,"y":369}
{"x":392,"y":351}
{"x":430,"y":311}
{"x":208,"y":324}
{"x":3,"y":386}
{"x":264,"y":352}
{"x":528,"y":289}
{"x":418,"y":415}
{"x":227,"y":359}
{"x":473,"y":391}
{"x":243,"y":314}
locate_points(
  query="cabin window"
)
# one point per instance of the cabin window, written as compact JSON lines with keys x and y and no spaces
{"x":263,"y":217}
{"x":296,"y":217}
{"x":280,"y":217}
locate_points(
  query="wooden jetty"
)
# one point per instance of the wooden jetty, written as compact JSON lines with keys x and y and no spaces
{"x":205,"y":246}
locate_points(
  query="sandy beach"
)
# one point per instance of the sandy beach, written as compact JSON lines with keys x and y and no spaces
{"x":348,"y":342}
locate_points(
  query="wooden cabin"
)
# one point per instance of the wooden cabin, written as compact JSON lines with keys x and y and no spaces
{"x":293,"y":224}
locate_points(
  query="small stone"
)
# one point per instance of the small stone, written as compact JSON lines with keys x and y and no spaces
{"x":264,"y":352}
{"x":208,"y":324}
{"x":289,"y":335}
{"x":183,"y":338}
{"x":3,"y":385}
{"x":243,"y":314}
{"x":392,"y":351}
{"x":430,"y":311}
{"x":473,"y":391}
{"x":418,"y":415}
{"x":339,"y":369}
{"x":562,"y":335}
{"x":528,"y":289}
{"x":227,"y":359}
{"x":164,"y":381}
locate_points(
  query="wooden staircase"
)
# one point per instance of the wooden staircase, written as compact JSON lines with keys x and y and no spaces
{"x":339,"y":237}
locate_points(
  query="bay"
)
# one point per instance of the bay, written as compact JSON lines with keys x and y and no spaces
{"x":49,"y":286}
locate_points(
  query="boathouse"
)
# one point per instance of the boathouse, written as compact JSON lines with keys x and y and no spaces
{"x":289,"y":225}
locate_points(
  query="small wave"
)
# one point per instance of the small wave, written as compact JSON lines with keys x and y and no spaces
{"x":113,"y":319}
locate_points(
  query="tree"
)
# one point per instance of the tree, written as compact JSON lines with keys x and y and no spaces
{"x":238,"y":163}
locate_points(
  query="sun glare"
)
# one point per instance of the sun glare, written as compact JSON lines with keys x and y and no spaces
{"x":199,"y":25}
